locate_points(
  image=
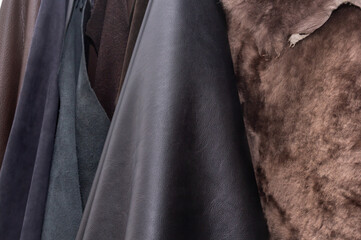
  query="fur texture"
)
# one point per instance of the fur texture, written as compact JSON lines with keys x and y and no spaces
{"x":302,"y":112}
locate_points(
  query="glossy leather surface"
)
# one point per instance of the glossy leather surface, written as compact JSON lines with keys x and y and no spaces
{"x":25,"y":171}
{"x":175,"y":163}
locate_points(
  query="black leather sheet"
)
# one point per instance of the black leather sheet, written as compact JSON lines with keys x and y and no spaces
{"x":175,"y":163}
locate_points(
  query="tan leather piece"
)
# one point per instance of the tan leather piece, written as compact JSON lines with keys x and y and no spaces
{"x":17,"y":21}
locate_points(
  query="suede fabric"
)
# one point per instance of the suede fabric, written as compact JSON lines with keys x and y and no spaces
{"x":108,"y":29}
{"x":175,"y":164}
{"x":80,"y":136}
{"x":17,"y":21}
{"x":26,"y":166}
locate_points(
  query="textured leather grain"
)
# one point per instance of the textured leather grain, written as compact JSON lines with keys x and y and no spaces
{"x":175,"y":163}
{"x":17,"y":21}
{"x":26,"y":166}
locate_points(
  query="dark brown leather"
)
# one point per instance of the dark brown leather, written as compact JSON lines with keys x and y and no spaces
{"x":17,"y":20}
{"x":140,"y":6}
{"x":108,"y":29}
{"x":131,"y":6}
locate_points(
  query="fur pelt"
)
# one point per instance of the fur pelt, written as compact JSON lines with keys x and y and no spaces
{"x":302,"y":109}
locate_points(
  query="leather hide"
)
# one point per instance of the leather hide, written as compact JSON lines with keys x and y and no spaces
{"x":302,"y":108}
{"x":175,"y":164}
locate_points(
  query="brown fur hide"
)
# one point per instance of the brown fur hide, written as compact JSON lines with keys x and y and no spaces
{"x":302,"y":109}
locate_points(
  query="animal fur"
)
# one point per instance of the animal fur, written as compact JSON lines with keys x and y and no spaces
{"x":302,"y":109}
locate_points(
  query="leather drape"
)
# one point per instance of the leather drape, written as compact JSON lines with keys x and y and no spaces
{"x":175,"y":163}
{"x":107,"y":29}
{"x":25,"y":171}
{"x":17,"y":20}
{"x":137,"y":15}
{"x":81,"y":132}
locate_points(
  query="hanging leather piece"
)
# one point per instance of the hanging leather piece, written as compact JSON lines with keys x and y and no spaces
{"x":81,"y":132}
{"x":175,"y":164}
{"x":140,"y":6}
{"x":17,"y":20}
{"x":107,"y":29}
{"x":26,"y":166}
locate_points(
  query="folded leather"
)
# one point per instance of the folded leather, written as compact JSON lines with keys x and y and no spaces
{"x":26,"y":166}
{"x":81,"y":132}
{"x":175,"y":164}
{"x":17,"y":20}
